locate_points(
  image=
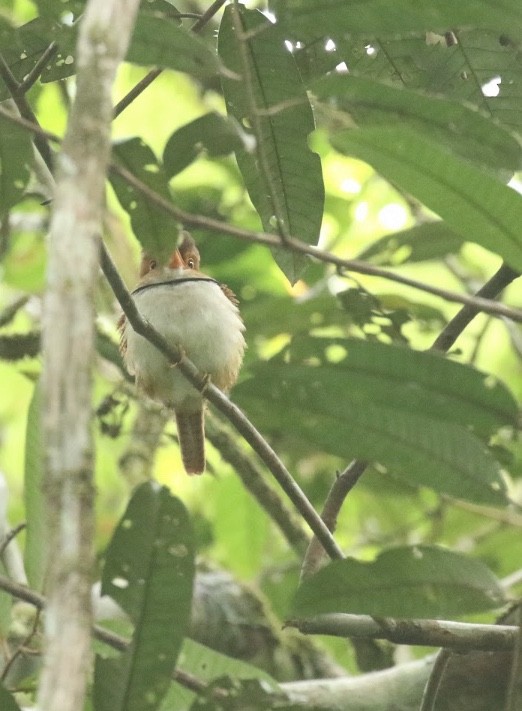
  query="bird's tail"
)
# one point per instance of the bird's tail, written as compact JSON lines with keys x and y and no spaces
{"x":191,"y":436}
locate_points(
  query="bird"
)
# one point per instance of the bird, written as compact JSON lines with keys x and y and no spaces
{"x":200,"y":317}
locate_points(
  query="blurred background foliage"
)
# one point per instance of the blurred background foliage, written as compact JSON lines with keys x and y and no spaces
{"x":361,"y":211}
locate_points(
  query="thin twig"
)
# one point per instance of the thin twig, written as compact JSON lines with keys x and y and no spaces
{"x":25,"y":110}
{"x":431,"y":690}
{"x":147,"y":80}
{"x":111,"y":639}
{"x":9,"y":537}
{"x":21,"y":647}
{"x":201,"y":221}
{"x":253,"y":480}
{"x":340,"y":489}
{"x":491,"y":289}
{"x":224,"y":405}
{"x":38,"y":68}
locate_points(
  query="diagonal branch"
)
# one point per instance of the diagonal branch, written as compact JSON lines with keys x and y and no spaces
{"x":224,"y":405}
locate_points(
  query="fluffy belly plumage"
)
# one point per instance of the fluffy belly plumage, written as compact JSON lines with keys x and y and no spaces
{"x":197,"y":317}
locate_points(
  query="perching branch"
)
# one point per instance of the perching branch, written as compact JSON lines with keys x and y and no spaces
{"x":68,"y":349}
{"x":224,"y":405}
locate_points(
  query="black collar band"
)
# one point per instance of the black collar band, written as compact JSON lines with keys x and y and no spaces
{"x":172,"y":282}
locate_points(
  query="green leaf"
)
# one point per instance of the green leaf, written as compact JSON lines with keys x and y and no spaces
{"x":35,"y":550}
{"x":154,"y":229}
{"x":416,"y":581}
{"x":16,"y":154}
{"x":148,"y":571}
{"x":473,"y":204}
{"x":413,"y":412}
{"x":283,"y":176}
{"x":206,"y":664}
{"x":160,"y":42}
{"x":7,"y":702}
{"x":402,"y":16}
{"x":430,"y":240}
{"x":212,"y":133}
{"x":462,"y":129}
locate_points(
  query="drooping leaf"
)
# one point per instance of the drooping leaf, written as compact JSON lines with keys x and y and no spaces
{"x":35,"y":550}
{"x":416,"y":581}
{"x":148,"y":571}
{"x":215,"y":134}
{"x":462,"y":129}
{"x":24,"y":47}
{"x":283,"y":176}
{"x":408,"y":410}
{"x":7,"y":702}
{"x":430,"y":240}
{"x":154,"y":229}
{"x":473,"y":204}
{"x":403,"y":16}
{"x":160,"y":42}
{"x":207,"y":664}
{"x":16,"y":154}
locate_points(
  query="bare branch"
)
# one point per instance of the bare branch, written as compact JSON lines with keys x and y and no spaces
{"x":427,"y":633}
{"x":68,"y":349}
{"x":147,"y":80}
{"x":224,"y":405}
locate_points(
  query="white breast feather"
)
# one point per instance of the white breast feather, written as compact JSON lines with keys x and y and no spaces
{"x":197,"y":317}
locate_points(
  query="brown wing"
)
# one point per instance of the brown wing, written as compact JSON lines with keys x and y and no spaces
{"x":121,"y":330}
{"x":229,"y":294}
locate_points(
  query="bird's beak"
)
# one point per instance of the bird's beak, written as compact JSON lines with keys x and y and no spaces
{"x":176,"y":261}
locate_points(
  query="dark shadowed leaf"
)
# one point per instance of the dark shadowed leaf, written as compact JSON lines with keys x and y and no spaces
{"x":148,"y":571}
{"x":206,"y":664}
{"x":283,"y":176}
{"x":160,"y":42}
{"x":212,"y":134}
{"x":430,"y":240}
{"x":461,"y":129}
{"x":473,"y":204}
{"x":154,"y":229}
{"x":16,"y":153}
{"x":417,"y":581}
{"x":402,"y":16}
{"x":413,"y":412}
{"x":7,"y":702}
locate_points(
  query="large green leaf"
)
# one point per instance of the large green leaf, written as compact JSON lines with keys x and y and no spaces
{"x":412,"y":412}
{"x":215,"y":134}
{"x":402,"y":16}
{"x":154,"y":229}
{"x":460,"y":128}
{"x":473,"y":204}
{"x":206,"y":664}
{"x":35,"y":550}
{"x":417,"y":581}
{"x":148,"y":571}
{"x":429,"y":240}
{"x":163,"y":43}
{"x":282,"y":175}
{"x":16,"y":153}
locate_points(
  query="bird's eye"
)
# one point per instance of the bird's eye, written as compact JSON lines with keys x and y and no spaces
{"x":191,"y":263}
{"x":152,"y":264}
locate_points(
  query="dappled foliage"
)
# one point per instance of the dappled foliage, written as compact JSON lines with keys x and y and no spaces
{"x":349,"y":170}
